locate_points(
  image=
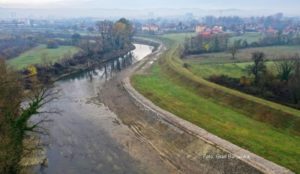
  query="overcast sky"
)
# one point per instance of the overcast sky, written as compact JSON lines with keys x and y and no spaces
{"x":283,"y":5}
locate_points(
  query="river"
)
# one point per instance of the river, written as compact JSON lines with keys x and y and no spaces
{"x":82,"y":137}
{"x":87,"y":137}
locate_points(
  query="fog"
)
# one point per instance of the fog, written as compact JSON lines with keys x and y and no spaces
{"x":143,"y":8}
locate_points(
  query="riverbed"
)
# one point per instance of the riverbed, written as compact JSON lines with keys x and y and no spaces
{"x":82,"y":138}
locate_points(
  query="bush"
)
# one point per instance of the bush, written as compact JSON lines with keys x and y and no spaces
{"x":51,"y":44}
{"x":186,"y":65}
{"x":225,"y":80}
{"x":244,"y":81}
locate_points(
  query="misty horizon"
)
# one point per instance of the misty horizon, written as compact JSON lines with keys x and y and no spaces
{"x":144,"y":7}
{"x":145,"y":4}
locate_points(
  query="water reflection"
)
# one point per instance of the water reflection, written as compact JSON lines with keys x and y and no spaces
{"x":108,"y":69}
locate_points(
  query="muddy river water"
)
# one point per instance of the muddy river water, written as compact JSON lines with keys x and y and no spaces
{"x":81,"y":138}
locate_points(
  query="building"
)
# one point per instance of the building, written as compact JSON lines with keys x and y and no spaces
{"x":150,"y":28}
{"x":208,"y":31}
{"x":217,"y":29}
{"x":200,"y":29}
{"x":271,"y":31}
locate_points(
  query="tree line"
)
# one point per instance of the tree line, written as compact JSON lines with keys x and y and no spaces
{"x":220,"y":42}
{"x":12,"y":46}
{"x":206,"y":44}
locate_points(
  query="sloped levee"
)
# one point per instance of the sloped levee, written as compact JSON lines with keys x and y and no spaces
{"x":210,"y":154}
{"x":268,"y":112}
{"x":216,"y":152}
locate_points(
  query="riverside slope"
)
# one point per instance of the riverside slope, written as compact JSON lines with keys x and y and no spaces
{"x":180,"y":144}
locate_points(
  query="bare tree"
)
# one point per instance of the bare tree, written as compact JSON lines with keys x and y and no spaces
{"x":16,"y":109}
{"x":233,"y":50}
{"x":258,"y":69}
{"x":294,"y":83}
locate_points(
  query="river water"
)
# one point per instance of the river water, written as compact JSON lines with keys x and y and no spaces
{"x":87,"y":137}
{"x":81,"y":137}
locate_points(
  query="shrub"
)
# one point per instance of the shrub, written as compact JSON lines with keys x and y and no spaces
{"x":186,"y":65}
{"x":51,"y":44}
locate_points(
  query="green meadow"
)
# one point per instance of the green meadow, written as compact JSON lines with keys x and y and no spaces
{"x":42,"y":54}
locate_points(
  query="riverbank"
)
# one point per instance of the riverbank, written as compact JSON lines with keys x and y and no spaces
{"x":175,"y":141}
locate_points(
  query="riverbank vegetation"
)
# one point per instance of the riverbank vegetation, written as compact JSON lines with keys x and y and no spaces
{"x":266,"y":128}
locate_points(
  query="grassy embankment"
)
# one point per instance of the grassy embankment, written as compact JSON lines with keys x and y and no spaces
{"x":206,"y":65}
{"x":265,"y":128}
{"x":37,"y":54}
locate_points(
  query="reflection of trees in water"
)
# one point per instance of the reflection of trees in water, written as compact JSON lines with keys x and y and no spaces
{"x":90,"y":74}
{"x":105,"y":70}
{"x":108,"y":69}
{"x":121,"y":62}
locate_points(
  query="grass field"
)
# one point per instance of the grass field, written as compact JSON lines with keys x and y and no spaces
{"x":230,"y":69}
{"x":235,"y":70}
{"x":273,"y":52}
{"x":227,"y":113}
{"x":178,"y":37}
{"x":250,"y":37}
{"x":37,"y":54}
